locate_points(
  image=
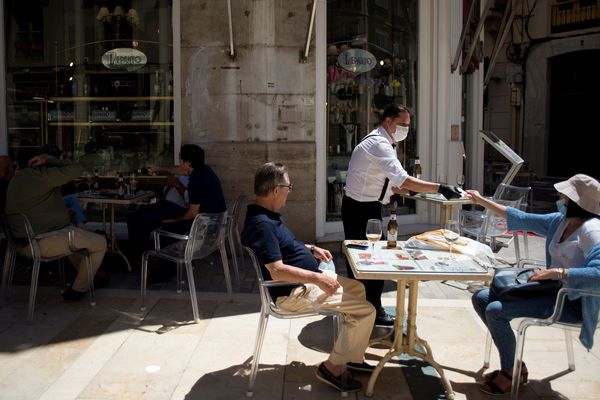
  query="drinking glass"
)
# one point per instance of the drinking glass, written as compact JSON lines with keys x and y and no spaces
{"x":460,"y":180}
{"x":89,"y":180}
{"x":373,"y":233}
{"x":451,"y":234}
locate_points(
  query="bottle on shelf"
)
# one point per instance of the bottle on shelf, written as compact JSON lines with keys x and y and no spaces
{"x":392,"y":229}
{"x":120,"y":185}
{"x":96,"y":182}
{"x":418,"y":170}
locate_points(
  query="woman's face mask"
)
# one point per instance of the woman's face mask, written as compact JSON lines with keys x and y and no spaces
{"x":401,"y":133}
{"x":561,"y":206}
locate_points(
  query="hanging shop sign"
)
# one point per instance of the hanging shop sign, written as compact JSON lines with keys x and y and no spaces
{"x":357,"y":60}
{"x":124,"y":58}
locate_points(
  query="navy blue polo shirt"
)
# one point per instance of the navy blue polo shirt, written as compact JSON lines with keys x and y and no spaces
{"x":204,"y":188}
{"x":271,"y":240}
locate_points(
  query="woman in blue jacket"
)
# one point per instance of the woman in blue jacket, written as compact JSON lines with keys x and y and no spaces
{"x":572,"y":256}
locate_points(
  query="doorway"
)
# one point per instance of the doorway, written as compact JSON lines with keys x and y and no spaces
{"x":573,"y":109}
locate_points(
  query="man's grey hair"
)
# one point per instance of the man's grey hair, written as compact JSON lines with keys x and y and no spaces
{"x":268,"y":176}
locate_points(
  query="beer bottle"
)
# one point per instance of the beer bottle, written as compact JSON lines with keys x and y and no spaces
{"x":392,"y":229}
{"x":96,"y":184}
{"x":418,"y":170}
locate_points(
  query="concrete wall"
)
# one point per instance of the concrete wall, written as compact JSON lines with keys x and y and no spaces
{"x":258,"y":107}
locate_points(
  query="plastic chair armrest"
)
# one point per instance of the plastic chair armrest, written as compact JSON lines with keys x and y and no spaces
{"x":173,"y":235}
{"x":280,"y":283}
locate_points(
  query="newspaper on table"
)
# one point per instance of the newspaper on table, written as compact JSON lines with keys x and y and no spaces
{"x":403,"y":258}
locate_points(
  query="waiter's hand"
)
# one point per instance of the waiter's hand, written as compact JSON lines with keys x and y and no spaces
{"x":449,"y":191}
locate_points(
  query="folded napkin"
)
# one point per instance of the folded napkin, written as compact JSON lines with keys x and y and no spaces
{"x":434,"y":240}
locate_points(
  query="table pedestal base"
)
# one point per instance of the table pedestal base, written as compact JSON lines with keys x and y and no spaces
{"x":410,"y":343}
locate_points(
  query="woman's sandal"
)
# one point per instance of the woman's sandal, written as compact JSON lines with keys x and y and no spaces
{"x":524,"y":375}
{"x":500,"y":383}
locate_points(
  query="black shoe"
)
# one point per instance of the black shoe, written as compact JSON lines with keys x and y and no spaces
{"x":383,"y":318}
{"x":360,"y":367}
{"x":72,"y":295}
{"x":343,"y":383}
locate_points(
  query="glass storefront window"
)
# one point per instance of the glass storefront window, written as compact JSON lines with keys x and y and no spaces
{"x":371,"y":64}
{"x":94,"y":78}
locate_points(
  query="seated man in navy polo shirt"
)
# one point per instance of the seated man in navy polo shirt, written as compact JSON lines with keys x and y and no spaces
{"x":284,"y":258}
{"x":204,"y":193}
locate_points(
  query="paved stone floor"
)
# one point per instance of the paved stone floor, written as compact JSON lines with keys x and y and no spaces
{"x":116,"y":351}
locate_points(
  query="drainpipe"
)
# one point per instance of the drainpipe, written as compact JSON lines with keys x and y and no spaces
{"x":231,"y":48}
{"x":311,"y":22}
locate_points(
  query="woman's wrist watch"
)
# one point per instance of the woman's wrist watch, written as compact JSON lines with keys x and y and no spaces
{"x":312,"y":248}
{"x":560,"y":272}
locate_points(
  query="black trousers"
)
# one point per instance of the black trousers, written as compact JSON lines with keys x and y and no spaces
{"x":355,"y":215}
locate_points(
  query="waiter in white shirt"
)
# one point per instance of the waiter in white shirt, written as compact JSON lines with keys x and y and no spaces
{"x":374,"y":175}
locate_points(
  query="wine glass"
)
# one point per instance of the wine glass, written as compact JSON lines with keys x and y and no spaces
{"x":451,"y":234}
{"x":89,"y":180}
{"x":132,"y":182}
{"x":373,"y":233}
{"x":76,"y":183}
{"x":460,"y":180}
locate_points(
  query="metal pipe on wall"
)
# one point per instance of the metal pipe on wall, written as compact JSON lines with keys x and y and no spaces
{"x":311,"y":22}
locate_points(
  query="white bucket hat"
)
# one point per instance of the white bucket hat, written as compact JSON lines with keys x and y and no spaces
{"x":583,"y":190}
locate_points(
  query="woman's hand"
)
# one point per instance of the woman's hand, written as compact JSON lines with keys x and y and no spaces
{"x":544,"y":274}
{"x":473,"y":195}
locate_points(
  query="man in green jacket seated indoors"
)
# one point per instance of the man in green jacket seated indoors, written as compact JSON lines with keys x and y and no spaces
{"x":35,"y":192}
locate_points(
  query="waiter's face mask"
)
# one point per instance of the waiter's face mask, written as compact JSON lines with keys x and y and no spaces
{"x":400,"y":134}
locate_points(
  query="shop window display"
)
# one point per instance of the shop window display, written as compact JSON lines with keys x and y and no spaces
{"x":371,"y":64}
{"x":91,"y":75}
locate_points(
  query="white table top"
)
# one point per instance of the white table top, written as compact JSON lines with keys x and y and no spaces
{"x":412,"y":264}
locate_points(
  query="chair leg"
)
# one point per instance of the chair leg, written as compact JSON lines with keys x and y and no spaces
{"x":226,"y":269}
{"x":569,"y":343}
{"x":526,"y":244}
{"x":238,"y":243}
{"x":342,"y":334}
{"x":236,"y":271}
{"x":488,"y":350}
{"x":144,"y":277}
{"x":260,"y":336}
{"x":517,"y":246}
{"x":11,"y":273}
{"x":179,"y":278}
{"x":61,"y":273}
{"x":7,"y":271}
{"x":192,"y":286}
{"x":35,"y":273}
{"x":518,"y":363}
{"x":88,"y":265}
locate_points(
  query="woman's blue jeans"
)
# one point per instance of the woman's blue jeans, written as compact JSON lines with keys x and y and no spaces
{"x":496,"y":315}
